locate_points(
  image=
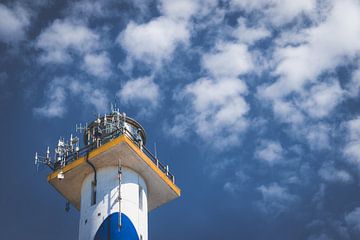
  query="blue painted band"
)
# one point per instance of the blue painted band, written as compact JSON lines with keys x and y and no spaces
{"x":109,"y":229}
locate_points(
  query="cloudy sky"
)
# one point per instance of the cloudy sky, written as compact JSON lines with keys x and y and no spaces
{"x":253,"y":104}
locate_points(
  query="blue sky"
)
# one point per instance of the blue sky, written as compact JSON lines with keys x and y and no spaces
{"x":254,"y":104}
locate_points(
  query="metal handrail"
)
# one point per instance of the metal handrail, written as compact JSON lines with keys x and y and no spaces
{"x":109,"y":137}
{"x":163,"y":168}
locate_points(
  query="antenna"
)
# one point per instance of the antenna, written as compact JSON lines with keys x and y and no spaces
{"x":98,"y":121}
{"x":80,"y":128}
{"x":111,"y":140}
{"x":48,"y":153}
{"x":36,"y":158}
{"x":119,"y":194}
{"x":114,"y":108}
{"x":74,"y":143}
{"x":155,"y":150}
{"x":45,"y":160}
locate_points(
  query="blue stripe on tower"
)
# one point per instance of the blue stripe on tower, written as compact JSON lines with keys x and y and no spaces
{"x":109,"y":229}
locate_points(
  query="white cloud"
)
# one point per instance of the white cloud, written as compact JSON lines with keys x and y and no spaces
{"x":179,"y":128}
{"x":304,"y":110}
{"x":90,"y":95}
{"x":277,"y":12}
{"x":296,"y":96}
{"x":319,"y":196}
{"x":329,"y":173}
{"x":353,"y":219}
{"x":249,"y":35}
{"x":62,"y":38}
{"x":269,"y":151}
{"x":179,"y":9}
{"x":55,"y":100}
{"x":154,"y":41}
{"x":317,"y":135}
{"x":321,"y":99}
{"x":86,"y":8}
{"x":210,"y":95}
{"x":352,"y":146}
{"x":293,"y":37}
{"x":352,"y":151}
{"x":217,"y":106}
{"x":275,"y":198}
{"x":98,"y":65}
{"x":288,"y":112}
{"x":13,"y":24}
{"x":231,"y":187}
{"x":283,"y":11}
{"x":239,"y":180}
{"x":97,"y":98}
{"x":353,"y":128}
{"x":217,"y":167}
{"x":322,"y":49}
{"x":241,"y":176}
{"x":217,"y":109}
{"x":140,"y":91}
{"x":316,"y":102}
{"x":353,"y":87}
{"x":62,"y":90}
{"x":228,"y":60}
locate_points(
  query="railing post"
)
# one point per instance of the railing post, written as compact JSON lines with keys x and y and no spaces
{"x":167,"y":170}
{"x":141,"y":144}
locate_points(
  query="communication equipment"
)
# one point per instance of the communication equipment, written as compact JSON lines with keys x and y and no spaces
{"x":110,"y":169}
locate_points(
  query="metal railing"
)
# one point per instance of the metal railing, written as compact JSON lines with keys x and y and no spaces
{"x":109,"y":137}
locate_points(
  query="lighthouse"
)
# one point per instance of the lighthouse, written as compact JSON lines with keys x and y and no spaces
{"x":113,"y":180}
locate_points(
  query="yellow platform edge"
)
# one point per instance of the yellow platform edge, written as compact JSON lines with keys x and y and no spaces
{"x":107,"y":146}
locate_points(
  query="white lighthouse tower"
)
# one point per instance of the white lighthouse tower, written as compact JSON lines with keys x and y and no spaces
{"x":114,"y":180}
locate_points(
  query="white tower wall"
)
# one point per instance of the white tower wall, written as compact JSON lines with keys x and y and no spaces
{"x":133,"y":190}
